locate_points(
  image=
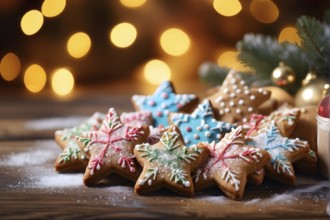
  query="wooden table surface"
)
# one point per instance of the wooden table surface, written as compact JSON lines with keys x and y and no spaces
{"x":31,"y":189}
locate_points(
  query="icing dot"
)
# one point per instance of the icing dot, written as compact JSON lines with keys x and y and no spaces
{"x":152,"y":103}
{"x":221,"y":112}
{"x":186,"y":183}
{"x":218,"y":136}
{"x":222,"y":104}
{"x":159,"y":114}
{"x":206,"y":126}
{"x":83,"y":157}
{"x":241,"y":102}
{"x":199,"y":128}
{"x":218,"y":99}
{"x":233,"y":81}
{"x":187,"y":141}
{"x":227,"y":110}
{"x":164,"y":95}
{"x":231,"y":103}
{"x":242,"y":82}
{"x":260,"y":90}
{"x":235,"y":86}
{"x":244,"y":120}
{"x":213,"y":120}
{"x":252,"y":97}
{"x":264,"y":92}
{"x":226,"y":90}
{"x":196,"y":136}
{"x":250,"y":109}
{"x":149,"y":182}
{"x":179,"y":106}
{"x":207,"y":134}
{"x":166,"y":112}
{"x":247,"y":92}
{"x":246,"y":88}
{"x":238,"y":91}
{"x":238,"y":111}
{"x":232,"y":95}
{"x":188,"y":129}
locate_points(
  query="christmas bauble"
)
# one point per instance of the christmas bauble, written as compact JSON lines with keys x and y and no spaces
{"x":283,"y":75}
{"x":309,"y":77}
{"x":324,"y":107}
{"x":312,"y":93}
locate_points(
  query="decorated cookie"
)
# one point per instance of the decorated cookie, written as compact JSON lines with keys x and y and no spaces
{"x":155,"y":134}
{"x":72,"y":159}
{"x":229,"y":164}
{"x":169,"y":164}
{"x":235,"y":102}
{"x":91,"y":124}
{"x":164,"y":101}
{"x":111,"y":149}
{"x":283,"y":152}
{"x":142,"y":118}
{"x":308,"y":164}
{"x":200,"y":126}
{"x":306,"y":127}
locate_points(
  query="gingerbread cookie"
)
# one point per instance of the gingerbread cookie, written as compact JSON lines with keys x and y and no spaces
{"x":164,"y":101}
{"x":200,"y":126}
{"x":169,"y":164}
{"x":283,"y":152}
{"x":91,"y":124}
{"x":142,"y":118}
{"x":235,"y":102}
{"x":111,"y":149}
{"x":229,"y":164}
{"x":308,"y":164}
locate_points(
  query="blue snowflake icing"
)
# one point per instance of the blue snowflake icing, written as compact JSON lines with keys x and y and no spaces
{"x":162,"y":102}
{"x":200,"y":126}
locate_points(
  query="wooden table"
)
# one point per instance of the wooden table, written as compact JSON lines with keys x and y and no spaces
{"x":31,"y":189}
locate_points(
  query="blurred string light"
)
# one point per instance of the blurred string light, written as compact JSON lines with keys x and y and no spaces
{"x":10,"y":66}
{"x":289,"y":34}
{"x":229,"y":59}
{"x":156,"y":71}
{"x":62,"y":81}
{"x":264,"y":11}
{"x":123,"y":35}
{"x":227,"y":7}
{"x":35,"y":78}
{"x":52,"y":8}
{"x":133,"y":3}
{"x":174,"y":41}
{"x":31,"y":22}
{"x":79,"y":44}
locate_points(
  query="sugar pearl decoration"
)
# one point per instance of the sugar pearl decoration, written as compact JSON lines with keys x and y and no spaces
{"x":241,"y":102}
{"x":250,"y":109}
{"x":252,"y":97}
{"x":232,"y":104}
{"x":207,"y":134}
{"x":227,"y":110}
{"x":199,"y":128}
{"x":238,"y":111}
{"x":196,"y":136}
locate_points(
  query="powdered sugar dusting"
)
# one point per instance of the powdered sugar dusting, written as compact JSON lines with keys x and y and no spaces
{"x":36,"y":157}
{"x":59,"y":181}
{"x":55,"y":123}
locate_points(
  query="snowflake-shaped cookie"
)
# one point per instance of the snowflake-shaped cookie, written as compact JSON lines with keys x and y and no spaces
{"x":111,"y":149}
{"x":229,"y":164}
{"x":200,"y":126}
{"x":235,"y":102}
{"x":283,"y":152}
{"x":164,"y":101}
{"x":169,"y":164}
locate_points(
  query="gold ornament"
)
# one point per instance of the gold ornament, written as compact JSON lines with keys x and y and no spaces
{"x":283,"y":75}
{"x":309,"y":77}
{"x":312,"y":93}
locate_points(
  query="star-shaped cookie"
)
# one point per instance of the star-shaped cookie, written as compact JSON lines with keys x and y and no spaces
{"x":235,"y":102}
{"x":283,"y":152}
{"x":229,"y":164}
{"x":164,"y":101}
{"x":111,"y":149}
{"x":200,"y":126}
{"x":93,"y":123}
{"x":169,"y":164}
{"x":74,"y":159}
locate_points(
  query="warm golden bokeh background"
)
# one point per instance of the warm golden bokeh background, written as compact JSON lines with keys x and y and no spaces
{"x":62,"y":45}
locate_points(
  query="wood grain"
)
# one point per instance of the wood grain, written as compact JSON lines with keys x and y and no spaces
{"x":24,"y":196}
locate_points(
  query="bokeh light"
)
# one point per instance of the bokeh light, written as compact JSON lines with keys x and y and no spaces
{"x":10,"y":66}
{"x":133,"y":3}
{"x":79,"y":44}
{"x":264,"y":11}
{"x":35,"y":78}
{"x":123,"y":35}
{"x":62,"y":82}
{"x":31,"y":22}
{"x":229,"y":59}
{"x":156,"y":71}
{"x":227,"y":7}
{"x":289,"y":34}
{"x":52,"y":8}
{"x":174,"y":41}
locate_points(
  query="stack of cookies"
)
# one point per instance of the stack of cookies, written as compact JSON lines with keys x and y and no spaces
{"x":175,"y":141}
